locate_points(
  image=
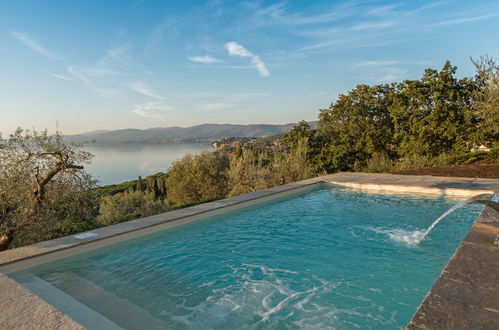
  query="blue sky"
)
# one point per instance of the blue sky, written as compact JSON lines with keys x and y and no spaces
{"x":90,"y":65}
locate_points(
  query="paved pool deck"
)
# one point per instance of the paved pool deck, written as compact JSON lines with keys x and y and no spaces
{"x":466,"y":295}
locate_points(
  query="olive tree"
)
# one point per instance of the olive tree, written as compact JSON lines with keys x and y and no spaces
{"x":44,"y":189}
{"x":198,"y":178}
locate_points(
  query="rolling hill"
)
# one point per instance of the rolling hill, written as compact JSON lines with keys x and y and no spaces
{"x":199,"y":133}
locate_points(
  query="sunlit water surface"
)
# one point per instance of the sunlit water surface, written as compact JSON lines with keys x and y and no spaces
{"x":123,"y":162}
{"x":319,"y":260}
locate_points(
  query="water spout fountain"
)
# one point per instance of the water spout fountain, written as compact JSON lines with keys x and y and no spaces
{"x":416,"y":237}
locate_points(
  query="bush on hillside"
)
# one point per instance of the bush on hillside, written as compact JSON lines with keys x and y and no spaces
{"x":129,"y":205}
{"x":197,"y":178}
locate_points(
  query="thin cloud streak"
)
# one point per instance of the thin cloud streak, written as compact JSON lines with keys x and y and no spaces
{"x":141,"y":88}
{"x":119,"y":54}
{"x":236,"y":49}
{"x":464,"y":20}
{"x":26,"y":40}
{"x":204,"y":59}
{"x":216,"y":106}
{"x":58,"y":76}
{"x":376,"y":63}
{"x":153,"y":110}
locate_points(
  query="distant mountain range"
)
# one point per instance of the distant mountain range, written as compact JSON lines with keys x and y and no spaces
{"x":199,"y":133}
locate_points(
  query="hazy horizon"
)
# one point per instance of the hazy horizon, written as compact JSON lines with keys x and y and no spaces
{"x":134,"y":64}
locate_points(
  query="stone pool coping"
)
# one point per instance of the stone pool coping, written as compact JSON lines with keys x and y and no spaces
{"x":466,"y":294}
{"x":15,"y":299}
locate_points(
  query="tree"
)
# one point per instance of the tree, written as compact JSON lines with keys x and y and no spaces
{"x":433,"y":115}
{"x":487,"y":99}
{"x":42,"y":185}
{"x":140,"y":185}
{"x":291,"y":166}
{"x":129,"y":205}
{"x":249,"y":171}
{"x":355,"y":127}
{"x":300,"y":132}
{"x":198,"y":178}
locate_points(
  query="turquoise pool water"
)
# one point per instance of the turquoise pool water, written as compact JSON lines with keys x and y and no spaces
{"x":323,"y":259}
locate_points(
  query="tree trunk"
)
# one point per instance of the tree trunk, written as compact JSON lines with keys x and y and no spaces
{"x":6,"y":238}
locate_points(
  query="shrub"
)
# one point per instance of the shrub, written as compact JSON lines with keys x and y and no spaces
{"x":248,"y":172}
{"x":292,"y":166}
{"x":198,"y":178}
{"x":129,"y":205}
{"x":379,"y":163}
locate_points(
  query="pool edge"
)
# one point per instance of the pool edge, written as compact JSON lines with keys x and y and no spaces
{"x":466,"y":293}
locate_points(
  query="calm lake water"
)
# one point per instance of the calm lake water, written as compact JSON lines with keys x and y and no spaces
{"x":119,"y":163}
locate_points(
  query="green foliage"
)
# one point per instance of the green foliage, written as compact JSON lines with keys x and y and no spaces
{"x":467,"y":158}
{"x":43,"y":188}
{"x":253,"y":170}
{"x":300,"y":132}
{"x":196,"y":178}
{"x":433,"y":115}
{"x":420,"y":161}
{"x":63,"y":214}
{"x":379,"y":163}
{"x":486,"y":98}
{"x":129,"y":205}
{"x":155,"y":183}
{"x":357,"y":126}
{"x":291,"y":166}
{"x":248,"y":172}
{"x":141,"y":186}
{"x":416,"y":123}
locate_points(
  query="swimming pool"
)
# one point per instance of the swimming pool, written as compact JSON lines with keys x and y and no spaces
{"x":321,"y":259}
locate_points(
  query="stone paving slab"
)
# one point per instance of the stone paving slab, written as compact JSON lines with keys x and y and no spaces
{"x":20,"y":309}
{"x":419,"y":184}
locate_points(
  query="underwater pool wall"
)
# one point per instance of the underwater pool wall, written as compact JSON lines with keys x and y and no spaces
{"x":466,"y":293}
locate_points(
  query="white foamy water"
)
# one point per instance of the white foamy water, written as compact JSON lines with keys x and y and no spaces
{"x":259,"y":299}
{"x":407,"y":236}
{"x":410,"y":237}
{"x":413,"y":237}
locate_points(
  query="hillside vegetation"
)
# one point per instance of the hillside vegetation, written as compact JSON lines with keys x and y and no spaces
{"x":433,"y":121}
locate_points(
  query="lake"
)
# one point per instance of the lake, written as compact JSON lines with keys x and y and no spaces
{"x":124,"y":162}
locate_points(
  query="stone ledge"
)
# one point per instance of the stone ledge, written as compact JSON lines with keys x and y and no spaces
{"x":466,"y":295}
{"x":21,"y":309}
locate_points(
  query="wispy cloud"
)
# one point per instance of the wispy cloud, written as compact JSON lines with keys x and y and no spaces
{"x":247,"y":96}
{"x":59,"y":76}
{"x":215,"y":106}
{"x":82,"y":75}
{"x":204,"y":59}
{"x":158,"y":32}
{"x":278,"y":13}
{"x":153,"y":110}
{"x":142,"y":88}
{"x":376,"y":63}
{"x":26,"y":40}
{"x":465,"y":20}
{"x":321,"y":93}
{"x":119,"y":54}
{"x":236,"y":49}
{"x":78,"y":75}
{"x":371,"y":24}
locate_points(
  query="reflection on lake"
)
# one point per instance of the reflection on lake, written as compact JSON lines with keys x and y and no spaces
{"x":124,"y":162}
